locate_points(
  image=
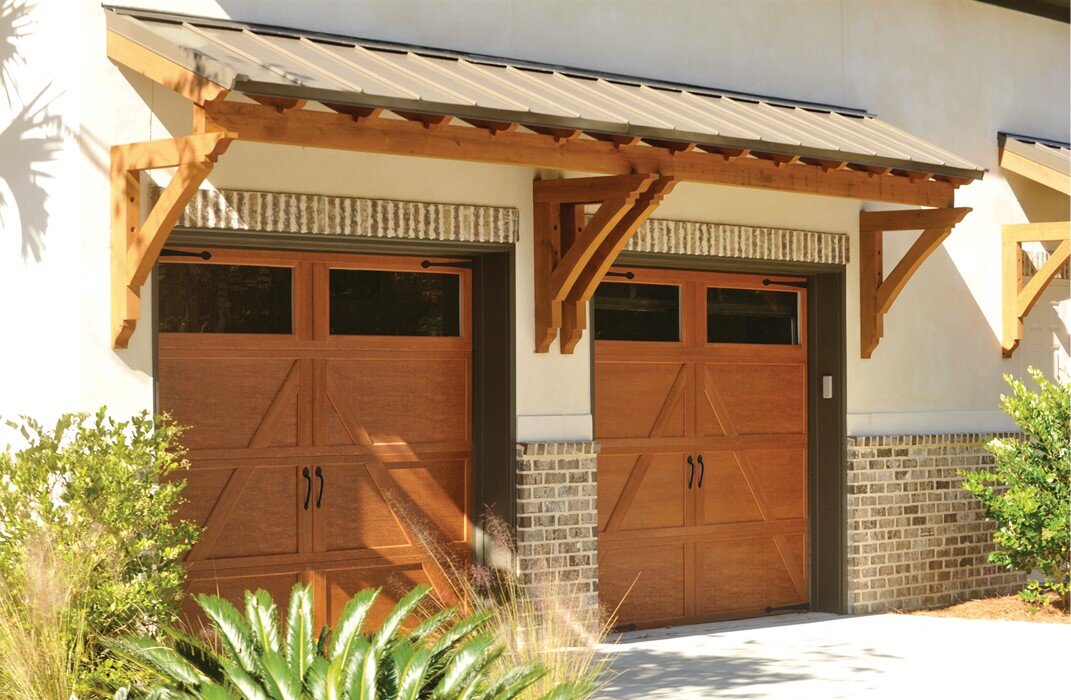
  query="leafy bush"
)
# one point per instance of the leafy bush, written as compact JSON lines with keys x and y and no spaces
{"x":443,"y":656}
{"x":100,"y":482}
{"x":1028,"y":493}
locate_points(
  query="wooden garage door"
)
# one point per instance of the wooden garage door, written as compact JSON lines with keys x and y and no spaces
{"x":329,"y":404}
{"x":700,"y":408}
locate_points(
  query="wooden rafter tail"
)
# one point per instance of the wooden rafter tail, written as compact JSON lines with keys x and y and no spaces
{"x":283,"y":104}
{"x":877,"y":292}
{"x":1017,"y":298}
{"x":135,"y":245}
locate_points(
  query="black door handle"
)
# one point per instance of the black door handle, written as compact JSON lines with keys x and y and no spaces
{"x":691,"y":474}
{"x":320,"y":496}
{"x":702,"y":471}
{"x":308,"y":486}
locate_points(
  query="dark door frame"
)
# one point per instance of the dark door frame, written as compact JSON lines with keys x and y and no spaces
{"x":827,"y":417}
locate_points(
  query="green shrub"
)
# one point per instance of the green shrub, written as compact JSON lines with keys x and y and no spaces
{"x":94,"y":480}
{"x":443,"y":656}
{"x":1028,"y":493}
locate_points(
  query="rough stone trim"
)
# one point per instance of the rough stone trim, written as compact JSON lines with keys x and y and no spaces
{"x":283,"y":212}
{"x":915,"y":538}
{"x":732,"y":241}
{"x":557,"y":518}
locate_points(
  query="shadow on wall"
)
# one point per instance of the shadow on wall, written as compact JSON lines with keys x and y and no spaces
{"x":30,"y":139}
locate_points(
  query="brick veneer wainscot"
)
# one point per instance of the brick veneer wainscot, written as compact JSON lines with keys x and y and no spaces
{"x":557,"y":520}
{"x":916,"y":539}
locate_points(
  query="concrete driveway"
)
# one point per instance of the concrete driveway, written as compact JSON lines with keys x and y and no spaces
{"x":828,"y":656}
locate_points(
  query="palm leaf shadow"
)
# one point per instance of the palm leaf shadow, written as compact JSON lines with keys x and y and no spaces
{"x":28,"y":142}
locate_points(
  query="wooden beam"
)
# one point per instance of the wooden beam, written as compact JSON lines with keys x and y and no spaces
{"x":185,"y":82}
{"x":877,"y":292}
{"x":327,"y":130}
{"x":777,"y":159}
{"x":1048,"y":231}
{"x":1018,"y":299}
{"x":546,"y":225}
{"x":1021,"y":165}
{"x":588,"y":190}
{"x":580,"y":253}
{"x":911,"y":219}
{"x":574,"y":313}
{"x":135,"y":245}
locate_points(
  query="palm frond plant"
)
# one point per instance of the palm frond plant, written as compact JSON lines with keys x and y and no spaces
{"x":444,"y":656}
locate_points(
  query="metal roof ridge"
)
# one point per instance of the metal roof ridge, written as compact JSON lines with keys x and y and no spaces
{"x":523,"y":64}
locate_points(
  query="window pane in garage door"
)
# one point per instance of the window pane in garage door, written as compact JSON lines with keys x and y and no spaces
{"x":378,"y":302}
{"x":754,"y":316}
{"x":643,"y":312}
{"x":199,"y":298}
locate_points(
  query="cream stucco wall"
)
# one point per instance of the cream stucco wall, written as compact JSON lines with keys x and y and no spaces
{"x":952,"y":71}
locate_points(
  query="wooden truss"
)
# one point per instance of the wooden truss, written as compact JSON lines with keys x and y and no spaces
{"x":1019,"y":298}
{"x":573,"y":253}
{"x":136,"y":244}
{"x":878,"y":292}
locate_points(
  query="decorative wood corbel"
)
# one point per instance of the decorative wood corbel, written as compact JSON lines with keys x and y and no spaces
{"x":135,"y":244}
{"x":877,"y":292}
{"x":1019,"y":298}
{"x":573,"y":253}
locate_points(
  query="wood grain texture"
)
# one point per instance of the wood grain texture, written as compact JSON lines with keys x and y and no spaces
{"x":672,"y":551}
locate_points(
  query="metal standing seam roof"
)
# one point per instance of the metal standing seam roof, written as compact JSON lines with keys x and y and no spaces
{"x":277,"y":62}
{"x":1051,"y":154}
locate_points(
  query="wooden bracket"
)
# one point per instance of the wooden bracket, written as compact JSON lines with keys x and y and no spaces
{"x":877,"y":292}
{"x":573,"y":253}
{"x":135,"y":244}
{"x":1019,"y":298}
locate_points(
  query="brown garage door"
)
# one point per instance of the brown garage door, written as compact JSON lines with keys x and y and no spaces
{"x":700,"y":385}
{"x":329,"y":398}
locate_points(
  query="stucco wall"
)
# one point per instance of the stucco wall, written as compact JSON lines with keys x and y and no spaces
{"x":952,"y":71}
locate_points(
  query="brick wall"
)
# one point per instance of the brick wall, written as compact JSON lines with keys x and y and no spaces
{"x":557,"y":522}
{"x":915,"y":538}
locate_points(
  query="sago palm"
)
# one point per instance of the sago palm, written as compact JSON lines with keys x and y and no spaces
{"x":442,"y":658}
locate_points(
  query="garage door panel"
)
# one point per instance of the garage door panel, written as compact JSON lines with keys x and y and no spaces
{"x":746,"y":574}
{"x":643,"y":582}
{"x":640,"y":399}
{"x":758,"y":399}
{"x":783,"y":476}
{"x":656,"y":497}
{"x":394,"y":581}
{"x":232,"y":587}
{"x":354,"y":514}
{"x":437,"y":491}
{"x":726,"y":496}
{"x":224,"y":401}
{"x":262,"y":518}
{"x":409,"y":401}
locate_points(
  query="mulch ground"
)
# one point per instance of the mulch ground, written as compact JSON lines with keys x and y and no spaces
{"x":1007,"y":607}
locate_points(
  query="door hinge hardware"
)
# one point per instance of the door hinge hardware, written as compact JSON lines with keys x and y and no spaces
{"x":767,"y":282}
{"x":691,"y":474}
{"x":172,"y":253}
{"x":320,"y":495}
{"x":308,"y":485}
{"x":797,"y":606}
{"x":702,"y":471}
{"x":464,"y":264}
{"x":626,"y":275}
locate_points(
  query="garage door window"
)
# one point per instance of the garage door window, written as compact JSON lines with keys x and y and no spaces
{"x":638,"y":312}
{"x":754,"y":316}
{"x":196,"y":298}
{"x":381,"y":302}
